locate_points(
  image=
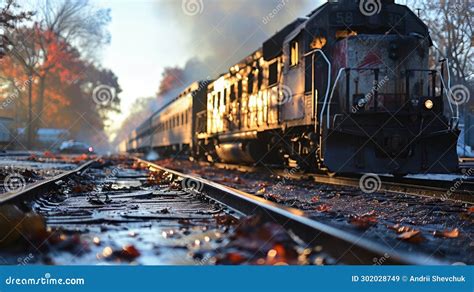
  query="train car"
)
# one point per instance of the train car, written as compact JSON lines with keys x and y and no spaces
{"x":339,"y":90}
{"x":171,"y":129}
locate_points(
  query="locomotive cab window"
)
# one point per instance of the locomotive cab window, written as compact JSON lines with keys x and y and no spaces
{"x":239,"y":89}
{"x":273,"y":73}
{"x":294,"y":53}
{"x":232,"y":93}
{"x":250,"y":83}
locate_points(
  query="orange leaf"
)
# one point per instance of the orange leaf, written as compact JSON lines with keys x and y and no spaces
{"x":323,"y":208}
{"x":413,"y":236}
{"x":400,"y":229}
{"x":447,"y":233}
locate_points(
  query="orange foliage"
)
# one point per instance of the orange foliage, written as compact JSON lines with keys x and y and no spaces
{"x":58,"y":65}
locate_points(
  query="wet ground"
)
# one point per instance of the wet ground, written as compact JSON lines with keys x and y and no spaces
{"x":121,"y":213}
{"x":18,"y":170}
{"x":444,"y":229}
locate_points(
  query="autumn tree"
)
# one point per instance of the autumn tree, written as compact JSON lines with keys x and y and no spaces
{"x":57,"y":52}
{"x":450,"y":24}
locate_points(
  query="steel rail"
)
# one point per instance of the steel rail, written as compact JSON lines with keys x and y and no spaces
{"x":35,"y":188}
{"x":461,"y":190}
{"x":346,"y":247}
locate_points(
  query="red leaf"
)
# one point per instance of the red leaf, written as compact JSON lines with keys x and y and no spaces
{"x":315,"y":199}
{"x":323,"y":208}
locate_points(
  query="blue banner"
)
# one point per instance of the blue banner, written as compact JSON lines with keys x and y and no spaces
{"x":236,"y":278}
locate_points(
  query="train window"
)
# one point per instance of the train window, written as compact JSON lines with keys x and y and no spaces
{"x":273,"y":73}
{"x":294,"y":53}
{"x":260,"y":77}
{"x":217,"y":100}
{"x":250,"y":83}
{"x":232,"y":93}
{"x":239,"y":89}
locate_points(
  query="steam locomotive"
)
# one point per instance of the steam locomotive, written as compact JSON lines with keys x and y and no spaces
{"x":345,"y":90}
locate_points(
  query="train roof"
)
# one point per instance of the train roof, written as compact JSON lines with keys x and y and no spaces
{"x":273,"y":47}
{"x":192,"y":87}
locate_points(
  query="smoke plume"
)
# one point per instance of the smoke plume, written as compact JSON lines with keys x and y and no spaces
{"x":223,"y":32}
{"x":219,"y":34}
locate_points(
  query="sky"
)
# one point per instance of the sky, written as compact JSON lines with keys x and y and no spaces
{"x":149,"y":35}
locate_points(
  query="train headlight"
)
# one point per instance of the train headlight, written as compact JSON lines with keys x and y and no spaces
{"x":429,"y":104}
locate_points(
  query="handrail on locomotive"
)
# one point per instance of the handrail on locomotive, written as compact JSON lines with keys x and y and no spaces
{"x":444,"y":91}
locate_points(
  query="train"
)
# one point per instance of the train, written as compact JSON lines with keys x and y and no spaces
{"x":340,"y":91}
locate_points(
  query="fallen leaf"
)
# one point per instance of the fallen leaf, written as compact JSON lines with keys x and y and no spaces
{"x":363,"y":222}
{"x":323,"y":208}
{"x":413,"y":236}
{"x":128,"y":252}
{"x":447,"y":233}
{"x":400,"y":229}
{"x":314,"y":199}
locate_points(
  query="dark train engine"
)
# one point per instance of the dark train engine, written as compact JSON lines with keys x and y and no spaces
{"x":346,"y":90}
{"x":351,"y":88}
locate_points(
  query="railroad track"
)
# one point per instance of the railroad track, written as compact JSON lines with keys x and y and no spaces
{"x":460,"y":189}
{"x":114,"y":211}
{"x":348,"y":248}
